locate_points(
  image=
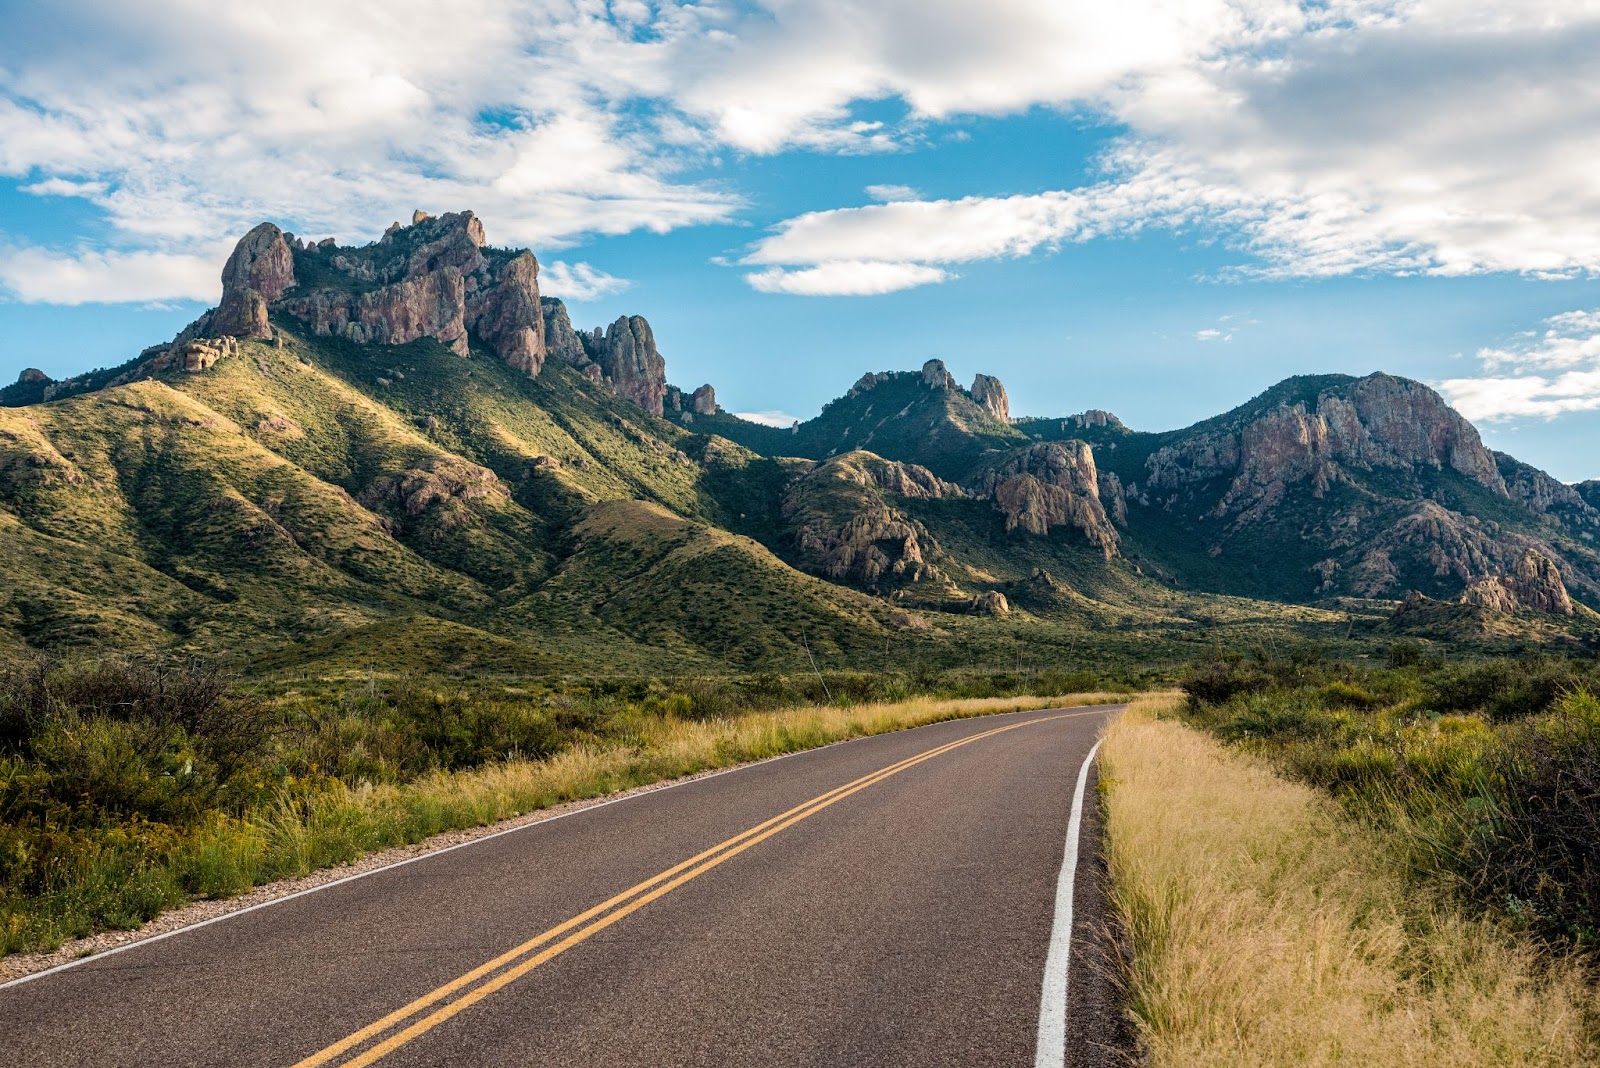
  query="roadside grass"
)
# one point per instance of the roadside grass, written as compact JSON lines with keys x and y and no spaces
{"x":1267,"y":927}
{"x":125,"y":876}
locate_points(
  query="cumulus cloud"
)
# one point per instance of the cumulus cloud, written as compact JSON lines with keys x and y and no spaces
{"x":578,"y":281}
{"x":847,"y":278}
{"x":1430,"y":137}
{"x":1541,"y":373}
{"x":1442,"y":137}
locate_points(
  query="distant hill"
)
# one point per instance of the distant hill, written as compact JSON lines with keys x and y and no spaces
{"x":403,"y":452}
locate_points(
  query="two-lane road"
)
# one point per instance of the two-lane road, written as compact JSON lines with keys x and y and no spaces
{"x":888,"y":901}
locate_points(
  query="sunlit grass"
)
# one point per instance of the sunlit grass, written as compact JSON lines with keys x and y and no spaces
{"x":1269,"y":929}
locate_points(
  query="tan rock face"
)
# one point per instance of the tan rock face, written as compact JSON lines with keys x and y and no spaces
{"x":989,"y":393}
{"x":1377,"y":422}
{"x":1050,"y":484}
{"x":1535,"y":585}
{"x":260,"y":270}
{"x":704,"y":401}
{"x":1094,"y":417}
{"x":440,"y":488}
{"x":429,"y":279}
{"x":846,"y":526}
{"x":935,"y":376}
{"x":629,"y":360}
{"x":32,"y":374}
{"x":560,"y":339}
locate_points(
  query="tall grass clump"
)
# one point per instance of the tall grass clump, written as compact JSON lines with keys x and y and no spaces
{"x":1268,"y":928}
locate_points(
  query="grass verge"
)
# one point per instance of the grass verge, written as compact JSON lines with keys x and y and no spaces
{"x":1269,"y":929}
{"x":121,"y":886}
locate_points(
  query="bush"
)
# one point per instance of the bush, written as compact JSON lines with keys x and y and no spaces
{"x":1216,"y":682}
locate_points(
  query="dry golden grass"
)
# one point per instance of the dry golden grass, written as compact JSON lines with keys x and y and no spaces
{"x":1267,"y":929}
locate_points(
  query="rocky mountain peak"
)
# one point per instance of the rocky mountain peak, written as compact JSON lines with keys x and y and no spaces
{"x":630,"y":362}
{"x":936,"y":376}
{"x":430,"y":279}
{"x":1378,"y":422}
{"x":1094,"y":417}
{"x":990,"y":394}
{"x":260,"y":271}
{"x":30,"y":375}
{"x":704,"y":401}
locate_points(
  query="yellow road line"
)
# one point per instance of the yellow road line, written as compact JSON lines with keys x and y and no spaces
{"x":631,"y":900}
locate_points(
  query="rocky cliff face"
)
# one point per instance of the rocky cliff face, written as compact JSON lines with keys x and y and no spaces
{"x":561,"y":341}
{"x":704,"y":401}
{"x":989,"y":393}
{"x":845,"y":526}
{"x":260,"y":271}
{"x":936,"y":376}
{"x":630,"y":363}
{"x":1535,"y":585}
{"x":1379,"y":422}
{"x":430,"y":279}
{"x":1050,"y":484}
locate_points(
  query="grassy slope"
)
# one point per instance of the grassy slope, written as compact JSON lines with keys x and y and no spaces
{"x":1268,"y":930}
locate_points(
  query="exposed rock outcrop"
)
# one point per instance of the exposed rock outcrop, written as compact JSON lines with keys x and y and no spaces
{"x":990,"y":394}
{"x":704,"y":401}
{"x":1114,"y":497}
{"x":844,"y":525}
{"x":1376,"y":422}
{"x":935,"y":376}
{"x":561,"y":341}
{"x":442,"y":489}
{"x":1094,"y":417}
{"x":868,"y":381}
{"x":260,"y":271}
{"x":31,"y":375}
{"x":1534,"y":585}
{"x":630,"y":363}
{"x":991,"y":603}
{"x":1050,"y":484}
{"x":431,"y":279}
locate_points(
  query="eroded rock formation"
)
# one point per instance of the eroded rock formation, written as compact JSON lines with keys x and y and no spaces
{"x":935,"y":376}
{"x":630,"y":363}
{"x":1050,"y":484}
{"x":991,"y":395}
{"x":1376,"y":422}
{"x":845,"y":525}
{"x":1534,"y":585}
{"x":704,"y":401}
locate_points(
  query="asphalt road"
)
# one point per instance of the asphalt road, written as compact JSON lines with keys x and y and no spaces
{"x":887,"y":901}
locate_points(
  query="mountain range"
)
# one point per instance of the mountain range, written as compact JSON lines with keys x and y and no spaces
{"x":402,"y":454}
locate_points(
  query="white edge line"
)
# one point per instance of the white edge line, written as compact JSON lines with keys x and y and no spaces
{"x":163,"y":936}
{"x":1051,"y":1051}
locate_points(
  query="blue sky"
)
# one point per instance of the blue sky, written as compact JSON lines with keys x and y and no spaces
{"x":1151,"y":207}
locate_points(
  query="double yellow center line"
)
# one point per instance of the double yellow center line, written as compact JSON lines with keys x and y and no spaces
{"x":469,"y":989}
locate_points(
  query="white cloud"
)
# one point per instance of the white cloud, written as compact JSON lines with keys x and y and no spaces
{"x":888,"y":194}
{"x":782,"y":420}
{"x":33,"y":275}
{"x":1551,"y":371}
{"x":1444,"y":137}
{"x":1414,"y":136}
{"x":1212,"y":334}
{"x":578,"y":281}
{"x":847,"y":278}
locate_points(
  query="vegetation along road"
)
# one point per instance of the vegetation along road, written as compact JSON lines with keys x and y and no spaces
{"x":900,"y":899}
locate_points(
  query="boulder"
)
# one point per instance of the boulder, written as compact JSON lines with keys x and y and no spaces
{"x":991,"y":603}
{"x":704,"y":401}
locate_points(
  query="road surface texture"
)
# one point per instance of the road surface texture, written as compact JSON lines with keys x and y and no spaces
{"x":886,"y":901}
